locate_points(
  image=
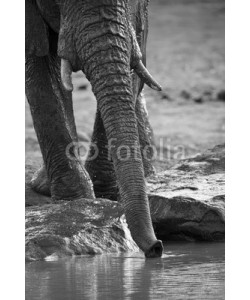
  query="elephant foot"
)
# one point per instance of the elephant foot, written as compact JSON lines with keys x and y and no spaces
{"x":40,"y":182}
{"x":104,"y":189}
{"x":103,"y":178}
{"x":69,"y":185}
{"x":72,"y":184}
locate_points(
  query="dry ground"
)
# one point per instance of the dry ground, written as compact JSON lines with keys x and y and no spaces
{"x":186,"y":55}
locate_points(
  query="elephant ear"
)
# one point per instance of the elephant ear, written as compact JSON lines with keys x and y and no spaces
{"x":36,"y":31}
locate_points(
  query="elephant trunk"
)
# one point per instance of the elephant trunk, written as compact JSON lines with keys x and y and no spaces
{"x":115,"y":102}
{"x":107,"y":66}
{"x":104,"y":46}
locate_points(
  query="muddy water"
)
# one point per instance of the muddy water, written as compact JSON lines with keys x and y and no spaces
{"x":186,"y":271}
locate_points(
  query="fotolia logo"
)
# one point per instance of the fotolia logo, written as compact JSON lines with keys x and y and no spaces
{"x":165,"y":150}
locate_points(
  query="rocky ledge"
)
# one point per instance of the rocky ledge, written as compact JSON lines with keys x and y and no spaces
{"x":187,"y":202}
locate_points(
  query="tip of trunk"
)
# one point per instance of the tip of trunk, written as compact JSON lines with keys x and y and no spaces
{"x":155,"y":250}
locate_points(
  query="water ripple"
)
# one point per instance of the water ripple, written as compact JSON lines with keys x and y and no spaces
{"x":186,"y":271}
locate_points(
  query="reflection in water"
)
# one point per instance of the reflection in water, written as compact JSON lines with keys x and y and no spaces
{"x":186,"y":271}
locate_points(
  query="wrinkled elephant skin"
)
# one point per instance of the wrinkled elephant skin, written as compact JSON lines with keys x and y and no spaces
{"x":106,"y":39}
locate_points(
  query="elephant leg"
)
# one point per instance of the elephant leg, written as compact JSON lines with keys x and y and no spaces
{"x":53,"y":120}
{"x":146,"y":136}
{"x":99,"y":164}
{"x":40,"y":181}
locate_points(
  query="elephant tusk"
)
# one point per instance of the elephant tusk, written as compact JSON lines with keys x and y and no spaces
{"x":146,"y":77}
{"x":66,"y":71}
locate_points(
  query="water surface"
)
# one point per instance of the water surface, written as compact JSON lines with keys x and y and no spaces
{"x":186,"y":271}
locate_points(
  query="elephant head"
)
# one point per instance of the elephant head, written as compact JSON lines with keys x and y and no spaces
{"x":97,"y":37}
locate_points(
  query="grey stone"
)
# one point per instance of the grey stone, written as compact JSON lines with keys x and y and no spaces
{"x":76,"y":227}
{"x":187,"y":202}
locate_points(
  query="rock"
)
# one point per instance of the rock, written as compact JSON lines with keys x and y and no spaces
{"x":185,"y":95}
{"x":187,"y":202}
{"x":198,"y":100}
{"x":165,"y":96}
{"x":207,"y":96}
{"x":204,"y":97}
{"x":221,"y":96}
{"x":76,"y":227}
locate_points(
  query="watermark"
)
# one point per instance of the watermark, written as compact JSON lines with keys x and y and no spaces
{"x":164,"y":150}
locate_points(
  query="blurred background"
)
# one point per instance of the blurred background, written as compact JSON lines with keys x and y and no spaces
{"x":185,"y":53}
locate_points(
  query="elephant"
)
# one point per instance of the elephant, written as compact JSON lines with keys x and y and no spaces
{"x":106,"y":40}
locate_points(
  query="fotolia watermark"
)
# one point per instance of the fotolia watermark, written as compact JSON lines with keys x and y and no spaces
{"x":164,"y":150}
